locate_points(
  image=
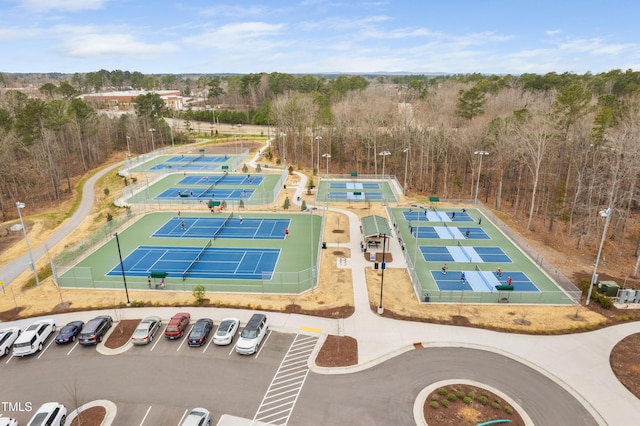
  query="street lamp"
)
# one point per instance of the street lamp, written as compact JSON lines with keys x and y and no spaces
{"x":384,"y":155}
{"x":481,"y":154}
{"x":406,"y":163}
{"x":327,"y":156}
{"x":19,"y":206}
{"x":383,"y":266}
{"x":153,"y":145}
{"x":128,"y":145}
{"x":124,"y":278}
{"x":318,"y":139}
{"x":594,"y":278}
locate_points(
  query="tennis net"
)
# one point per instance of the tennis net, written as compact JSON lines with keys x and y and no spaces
{"x":209,"y":190}
{"x":215,"y":235}
{"x":192,"y":264}
{"x":464,"y":250}
{"x":449,"y":231}
{"x":486,"y":281}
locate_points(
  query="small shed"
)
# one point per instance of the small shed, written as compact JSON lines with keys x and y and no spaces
{"x":374,"y":229}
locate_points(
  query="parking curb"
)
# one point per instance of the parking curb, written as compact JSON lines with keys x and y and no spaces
{"x":109,"y":406}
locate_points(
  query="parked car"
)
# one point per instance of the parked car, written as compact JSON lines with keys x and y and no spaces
{"x":200,"y":332}
{"x":226,"y":331}
{"x":33,"y":338}
{"x":145,"y":331}
{"x":7,"y":337}
{"x":197,"y":417}
{"x":69,"y":332}
{"x":8,"y":421}
{"x":94,"y":330}
{"x":177,"y":324}
{"x":252,"y":335}
{"x":49,"y":414}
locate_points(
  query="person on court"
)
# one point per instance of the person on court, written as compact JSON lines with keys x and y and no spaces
{"x":463,"y":277}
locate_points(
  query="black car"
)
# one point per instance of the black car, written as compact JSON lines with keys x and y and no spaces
{"x":94,"y":330}
{"x":69,"y":332}
{"x":200,"y":332}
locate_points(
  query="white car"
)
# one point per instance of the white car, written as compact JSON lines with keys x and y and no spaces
{"x":252,"y":335}
{"x":50,"y":413}
{"x":8,"y":421}
{"x":7,"y":337}
{"x":226,"y":331}
{"x":33,"y":338}
{"x":197,"y":417}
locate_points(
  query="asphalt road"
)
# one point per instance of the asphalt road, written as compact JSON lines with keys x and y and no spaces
{"x":385,"y":394}
{"x":156,"y":384}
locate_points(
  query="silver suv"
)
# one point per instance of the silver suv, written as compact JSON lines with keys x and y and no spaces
{"x":252,"y":335}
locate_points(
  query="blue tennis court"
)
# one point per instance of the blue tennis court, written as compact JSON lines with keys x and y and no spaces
{"x":175,"y":193}
{"x":448,"y":232}
{"x":360,"y":196}
{"x":424,"y":215}
{"x":482,"y":281}
{"x":223,"y":179}
{"x":224,"y":227}
{"x":194,"y":262}
{"x":354,"y":185}
{"x":464,"y":254}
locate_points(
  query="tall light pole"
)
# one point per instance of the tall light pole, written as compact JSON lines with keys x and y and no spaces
{"x":481,"y":154}
{"x":19,"y":206}
{"x":406,"y":164}
{"x":124,"y":278}
{"x":318,"y":139}
{"x":383,"y":266}
{"x":153,"y":145}
{"x":128,"y":145}
{"x":327,"y":156}
{"x":594,"y":278}
{"x":384,"y":155}
{"x":283,"y":135}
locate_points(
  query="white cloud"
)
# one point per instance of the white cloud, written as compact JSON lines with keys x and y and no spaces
{"x":114,"y":44}
{"x":65,"y":5}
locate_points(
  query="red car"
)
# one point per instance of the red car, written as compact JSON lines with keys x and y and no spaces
{"x":177,"y":324}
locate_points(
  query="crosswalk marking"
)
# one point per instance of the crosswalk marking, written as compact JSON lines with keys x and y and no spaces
{"x":281,"y":396}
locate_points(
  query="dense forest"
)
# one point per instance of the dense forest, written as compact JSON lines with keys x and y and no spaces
{"x":560,"y":147}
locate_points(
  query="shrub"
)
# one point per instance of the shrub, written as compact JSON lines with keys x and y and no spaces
{"x":452,"y":397}
{"x":467,"y":400}
{"x":460,"y":394}
{"x":483,"y":400}
{"x":508,"y":410}
{"x":435,"y":397}
{"x":472,"y":395}
{"x":445,"y":403}
{"x":434,"y":404}
{"x":495,"y":405}
{"x":442,"y":391}
{"x":198,"y":293}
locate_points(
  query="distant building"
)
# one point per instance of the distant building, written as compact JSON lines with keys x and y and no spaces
{"x":123,"y":100}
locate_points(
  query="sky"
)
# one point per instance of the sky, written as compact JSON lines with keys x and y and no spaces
{"x":319,"y":36}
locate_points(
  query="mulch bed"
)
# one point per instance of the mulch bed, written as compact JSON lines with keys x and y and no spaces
{"x":460,"y":413}
{"x":626,"y":363}
{"x":338,"y":351}
{"x":122,"y":333}
{"x":90,"y":417}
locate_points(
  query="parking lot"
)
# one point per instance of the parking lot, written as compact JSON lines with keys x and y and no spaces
{"x":155,"y":384}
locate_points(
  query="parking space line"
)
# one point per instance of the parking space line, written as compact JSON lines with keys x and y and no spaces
{"x":46,"y":347}
{"x":183,"y":416}
{"x":158,"y":339}
{"x":186,"y":337}
{"x":146,"y":415}
{"x":233,"y":348}
{"x":9,"y":359}
{"x":209,"y":342}
{"x":262,"y":345}
{"x":72,"y":348}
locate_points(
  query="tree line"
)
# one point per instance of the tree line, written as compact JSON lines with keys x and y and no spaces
{"x":561,"y":146}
